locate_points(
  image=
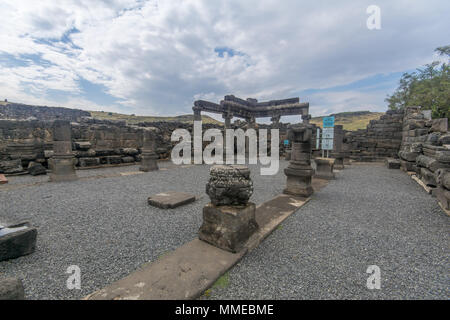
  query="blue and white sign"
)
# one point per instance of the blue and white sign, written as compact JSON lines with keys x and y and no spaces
{"x":327,"y":144}
{"x":328,"y":133}
{"x":328,"y":122}
{"x":286,"y":142}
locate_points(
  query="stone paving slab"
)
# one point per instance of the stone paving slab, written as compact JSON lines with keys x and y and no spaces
{"x":170,"y":199}
{"x":194,"y":267}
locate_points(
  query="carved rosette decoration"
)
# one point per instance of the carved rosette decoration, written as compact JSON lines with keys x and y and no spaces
{"x":229,"y":185}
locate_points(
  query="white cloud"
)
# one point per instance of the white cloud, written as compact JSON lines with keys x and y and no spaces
{"x":158,"y":56}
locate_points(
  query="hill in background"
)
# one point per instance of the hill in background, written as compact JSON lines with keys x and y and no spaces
{"x":133,"y":119}
{"x":351,"y":120}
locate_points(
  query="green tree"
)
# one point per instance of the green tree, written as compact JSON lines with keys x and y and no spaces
{"x":428,"y":87}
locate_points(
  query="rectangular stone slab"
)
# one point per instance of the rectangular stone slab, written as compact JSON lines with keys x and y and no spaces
{"x":170,"y":199}
{"x":3,"y":179}
{"x":194,"y":267}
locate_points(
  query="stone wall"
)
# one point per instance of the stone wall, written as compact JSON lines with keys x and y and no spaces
{"x":382,"y":138}
{"x":23,"y":111}
{"x":425,"y":145}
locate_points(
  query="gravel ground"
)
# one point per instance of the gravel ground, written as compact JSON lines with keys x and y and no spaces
{"x":104,"y":225}
{"x":368,"y":216}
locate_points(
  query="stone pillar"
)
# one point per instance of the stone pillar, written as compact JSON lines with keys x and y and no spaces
{"x":338,"y":153}
{"x":229,"y":219}
{"x":299,"y":171}
{"x":62,"y":162}
{"x":306,"y":118}
{"x":275,"y":121}
{"x":227,"y":118}
{"x":324,"y":168}
{"x":197,"y":113}
{"x":149,"y":156}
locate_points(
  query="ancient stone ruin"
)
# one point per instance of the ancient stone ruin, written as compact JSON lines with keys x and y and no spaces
{"x":229,"y":219}
{"x":299,"y":172}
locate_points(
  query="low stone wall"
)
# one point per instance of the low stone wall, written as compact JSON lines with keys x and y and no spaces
{"x":382,"y":138}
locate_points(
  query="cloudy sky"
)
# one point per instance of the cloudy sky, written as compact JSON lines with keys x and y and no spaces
{"x":156,"y":57}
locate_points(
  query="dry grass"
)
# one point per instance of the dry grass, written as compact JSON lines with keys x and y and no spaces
{"x":351,"y":121}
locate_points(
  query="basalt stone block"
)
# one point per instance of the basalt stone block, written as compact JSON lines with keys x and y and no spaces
{"x":89,"y":162}
{"x":11,"y":289}
{"x":228,"y":227}
{"x":229,"y":185}
{"x":325,"y":168}
{"x":16,"y":240}
{"x":82,"y":145}
{"x":428,"y":177}
{"x":171,"y":199}
{"x":440,"y":125}
{"x":36,"y":169}
{"x":444,"y":139}
{"x":114,"y":159}
{"x":63,"y":169}
{"x":130,"y":151}
{"x":409,"y":156}
{"x":127,"y":159}
{"x":407,"y":165}
{"x":443,"y":196}
{"x":392,"y":163}
{"x":443,"y":178}
{"x":11,"y":166}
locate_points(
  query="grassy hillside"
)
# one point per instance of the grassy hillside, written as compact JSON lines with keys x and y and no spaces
{"x":351,"y":120}
{"x":131,"y":119}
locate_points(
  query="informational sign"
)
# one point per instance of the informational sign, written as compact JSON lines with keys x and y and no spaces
{"x":286,"y":142}
{"x":327,"y":144}
{"x":328,"y":122}
{"x":328,"y":133}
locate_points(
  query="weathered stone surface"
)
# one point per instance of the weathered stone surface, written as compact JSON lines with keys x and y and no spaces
{"x":443,"y":178}
{"x":392,"y":163}
{"x":439,"y":125}
{"x":299,"y":172}
{"x":444,"y":139}
{"x":3,"y":179}
{"x":229,"y":185}
{"x":88,"y":162}
{"x":228,"y":227}
{"x":430,"y":163}
{"x":443,"y":196}
{"x":11,"y":289}
{"x":36,"y":169}
{"x":428,"y":177}
{"x":63,"y":162}
{"x":16,"y":240}
{"x":11,"y":166}
{"x":170,"y":199}
{"x":128,"y":159}
{"x":82,"y":145}
{"x":325,"y":168}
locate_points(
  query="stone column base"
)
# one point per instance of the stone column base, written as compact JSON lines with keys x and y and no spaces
{"x":63,"y":169}
{"x":339,"y":163}
{"x":298,"y":182}
{"x":324,"y":168}
{"x":228,"y":227}
{"x":149,"y":163}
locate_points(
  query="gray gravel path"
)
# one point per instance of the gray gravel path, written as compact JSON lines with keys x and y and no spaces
{"x":368,"y":216}
{"x":104,"y":225}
